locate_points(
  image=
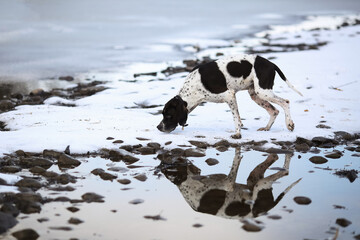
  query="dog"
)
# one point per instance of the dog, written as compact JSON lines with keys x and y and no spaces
{"x":220,"y":195}
{"x":219,"y":81}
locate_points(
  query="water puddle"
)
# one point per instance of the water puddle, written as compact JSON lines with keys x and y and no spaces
{"x":232,"y":194}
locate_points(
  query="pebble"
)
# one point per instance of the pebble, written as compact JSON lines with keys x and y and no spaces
{"x":211,"y":161}
{"x":343,"y":222}
{"x":136,"y":201}
{"x":67,"y":161}
{"x":250,"y":227}
{"x":146,"y":150}
{"x":29,"y":183}
{"x":302,"y":200}
{"x":10,"y":208}
{"x":107,"y":176}
{"x":192,"y":152}
{"x":75,"y":221}
{"x":318,"y":160}
{"x":199,"y":144}
{"x":73,"y":209}
{"x":36,"y":161}
{"x":335,"y":155}
{"x":141,"y":177}
{"x":10,"y":169}
{"x":7,"y":221}
{"x":124,"y":181}
{"x":26,"y":234}
{"x":92,"y":197}
{"x":302,"y":147}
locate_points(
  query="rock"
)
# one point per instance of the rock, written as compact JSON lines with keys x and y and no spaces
{"x":10,"y":169}
{"x":67,"y":150}
{"x":92,"y":197}
{"x":154,"y":145}
{"x":222,"y":143}
{"x":142,"y":139}
{"x":197,"y":225}
{"x":107,"y":176}
{"x":29,"y":196}
{"x":10,"y":208}
{"x":335,"y":154}
{"x":7,"y":221}
{"x":35,"y":161}
{"x":67,"y":161}
{"x":211,"y":161}
{"x":75,"y":221}
{"x":97,"y":171}
{"x":115,"y":156}
{"x":136,"y":201}
{"x":199,"y":144}
{"x":66,"y":78}
{"x":6,"y":105}
{"x":323,"y":126}
{"x":141,"y":177}
{"x":324,"y":142}
{"x":343,"y":136}
{"x":130,"y":159}
{"x":51,"y":154}
{"x":118,"y":141}
{"x":37,"y":170}
{"x":302,"y":200}
{"x":191,"y":152}
{"x":73,"y":209}
{"x":155,"y":218}
{"x":302,"y":147}
{"x":28,"y":207}
{"x":62,"y":189}
{"x":29,"y":183}
{"x":44,"y":219}
{"x":61,"y":228}
{"x":118,"y":169}
{"x":65,"y":178}
{"x":50,"y":174}
{"x":349,"y":174}
{"x":343,"y":222}
{"x":318,"y":160}
{"x":26,"y":234}
{"x":300,"y":140}
{"x":274,"y":217}
{"x":146,"y":150}
{"x":124,"y":181}
{"x":251,"y":227}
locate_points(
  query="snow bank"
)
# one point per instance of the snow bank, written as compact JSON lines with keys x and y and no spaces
{"x":329,"y":78}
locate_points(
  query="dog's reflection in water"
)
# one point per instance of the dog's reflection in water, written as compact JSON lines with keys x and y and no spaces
{"x":220,"y":195}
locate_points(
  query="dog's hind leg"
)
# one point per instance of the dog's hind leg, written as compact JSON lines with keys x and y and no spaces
{"x":273,"y":112}
{"x":268,"y":95}
{"x":231,"y":101}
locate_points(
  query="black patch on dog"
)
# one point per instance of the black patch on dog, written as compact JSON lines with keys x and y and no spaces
{"x":237,"y":208}
{"x":212,"y":78}
{"x":265,"y":71}
{"x":239,"y":69}
{"x":212,"y":201}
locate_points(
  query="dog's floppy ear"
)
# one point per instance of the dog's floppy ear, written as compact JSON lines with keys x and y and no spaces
{"x":182,"y":110}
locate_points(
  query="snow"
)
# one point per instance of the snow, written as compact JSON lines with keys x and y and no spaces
{"x":329,"y":79}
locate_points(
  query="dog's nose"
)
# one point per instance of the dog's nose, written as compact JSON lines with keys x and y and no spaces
{"x":161,"y":127}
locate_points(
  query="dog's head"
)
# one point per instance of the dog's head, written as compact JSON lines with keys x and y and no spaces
{"x":175,"y":112}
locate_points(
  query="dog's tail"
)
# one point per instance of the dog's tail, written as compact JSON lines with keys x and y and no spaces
{"x":281,"y":74}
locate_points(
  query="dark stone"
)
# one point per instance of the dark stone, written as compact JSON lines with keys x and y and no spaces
{"x":10,"y":208}
{"x":146,"y":150}
{"x":92,"y":197}
{"x":7,"y":221}
{"x":67,"y":150}
{"x":97,"y":171}
{"x":65,"y":178}
{"x":28,"y":207}
{"x":211,"y":161}
{"x":118,"y":141}
{"x":222,"y":143}
{"x":67,"y":161}
{"x":115,"y":156}
{"x":343,"y":136}
{"x":199,"y":144}
{"x":324,"y":142}
{"x":154,"y":145}
{"x":26,"y":234}
{"x":343,"y":222}
{"x":302,"y":200}
{"x":302,"y":147}
{"x":51,"y":154}
{"x":124,"y":181}
{"x":6,"y":105}
{"x":300,"y":140}
{"x":191,"y":152}
{"x":73,"y":209}
{"x":318,"y":160}
{"x":107,"y":176}
{"x":141,"y":177}
{"x":37,"y":170}
{"x":29,"y":183}
{"x":50,"y":174}
{"x":75,"y":221}
{"x":35,"y":161}
{"x":335,"y":154}
{"x":251,"y":227}
{"x":130,"y":159}
{"x":323,"y":126}
{"x":66,"y":78}
{"x":10,"y":169}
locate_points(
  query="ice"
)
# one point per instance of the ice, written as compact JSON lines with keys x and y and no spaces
{"x":328,"y":78}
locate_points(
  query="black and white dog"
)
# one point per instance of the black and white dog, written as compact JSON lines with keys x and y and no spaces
{"x":218,"y":81}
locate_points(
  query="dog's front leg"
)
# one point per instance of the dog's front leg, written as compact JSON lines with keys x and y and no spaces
{"x":231,"y":101}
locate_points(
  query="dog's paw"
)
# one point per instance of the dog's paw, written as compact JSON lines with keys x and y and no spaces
{"x":236,"y":136}
{"x":291,"y":126}
{"x":263,"y":129}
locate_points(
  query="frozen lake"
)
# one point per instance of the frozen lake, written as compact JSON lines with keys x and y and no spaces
{"x":42,"y":40}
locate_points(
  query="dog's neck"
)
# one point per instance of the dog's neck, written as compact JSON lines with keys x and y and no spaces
{"x":191,"y":100}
